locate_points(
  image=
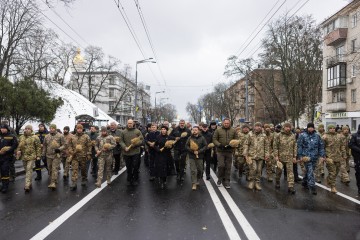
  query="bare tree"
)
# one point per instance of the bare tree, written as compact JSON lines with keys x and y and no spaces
{"x":193,"y":111}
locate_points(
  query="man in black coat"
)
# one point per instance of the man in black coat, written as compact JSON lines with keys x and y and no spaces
{"x":181,"y":134}
{"x":354,"y":145}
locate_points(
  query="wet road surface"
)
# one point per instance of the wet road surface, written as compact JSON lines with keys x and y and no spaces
{"x":148,"y":212}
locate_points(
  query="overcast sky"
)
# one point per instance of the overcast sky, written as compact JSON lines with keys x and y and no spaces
{"x":192,"y":38}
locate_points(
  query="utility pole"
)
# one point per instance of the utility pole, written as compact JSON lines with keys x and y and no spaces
{"x":247,"y":97}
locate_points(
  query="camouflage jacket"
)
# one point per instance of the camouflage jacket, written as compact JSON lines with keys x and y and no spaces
{"x":52,"y":142}
{"x":65,"y":152}
{"x":270,"y":138}
{"x":334,"y":146}
{"x":285,"y":147}
{"x":100,"y":141}
{"x":79,"y":145}
{"x":30,"y":147}
{"x":242,"y":137}
{"x":346,"y":142}
{"x":257,"y":146}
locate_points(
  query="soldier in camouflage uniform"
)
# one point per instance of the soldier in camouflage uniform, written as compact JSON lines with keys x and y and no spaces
{"x":240,"y":158}
{"x":335,"y":154}
{"x":345,"y":167}
{"x":319,"y":171}
{"x":53,"y":144}
{"x":285,"y":151}
{"x":270,"y":162}
{"x":103,"y":147}
{"x":29,"y":150}
{"x":256,"y":150}
{"x":80,"y":150}
{"x":65,"y":153}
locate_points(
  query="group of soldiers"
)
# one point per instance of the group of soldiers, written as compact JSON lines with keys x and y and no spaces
{"x":169,"y":149}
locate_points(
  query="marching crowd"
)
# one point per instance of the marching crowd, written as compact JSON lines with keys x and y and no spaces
{"x":168,"y":150}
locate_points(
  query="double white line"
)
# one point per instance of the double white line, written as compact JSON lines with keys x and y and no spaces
{"x":228,"y":224}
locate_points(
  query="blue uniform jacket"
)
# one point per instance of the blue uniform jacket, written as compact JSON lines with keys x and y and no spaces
{"x":310,"y":145}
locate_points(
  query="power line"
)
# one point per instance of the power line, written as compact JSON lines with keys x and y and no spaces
{"x":143,"y":21}
{"x":262,"y":27}
{"x":257,"y":27}
{"x":128,"y":24}
{"x":48,"y":5}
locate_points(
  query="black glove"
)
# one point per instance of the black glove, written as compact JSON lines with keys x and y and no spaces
{"x":221,"y":147}
{"x":57,"y":150}
{"x":227,"y":147}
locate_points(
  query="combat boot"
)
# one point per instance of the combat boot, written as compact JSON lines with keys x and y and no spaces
{"x":83,"y":183}
{"x":108,"y":181}
{"x":313,"y":190}
{"x":38,"y":175}
{"x":277,"y":184}
{"x":333,"y":190}
{"x":52,"y":186}
{"x":27,"y":189}
{"x":251,"y":185}
{"x":98,"y":184}
{"x":194,"y":186}
{"x":257,"y":186}
{"x":73,"y":186}
{"x":291,"y":190}
{"x":5,"y":186}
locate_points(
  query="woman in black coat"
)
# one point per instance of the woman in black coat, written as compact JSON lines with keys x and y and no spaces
{"x":163,"y":155}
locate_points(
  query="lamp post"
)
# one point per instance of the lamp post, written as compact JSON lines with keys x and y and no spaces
{"x":136,"y":86}
{"x":155,"y":104}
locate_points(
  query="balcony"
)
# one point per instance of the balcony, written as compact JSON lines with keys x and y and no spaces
{"x":335,"y":60}
{"x":336,"y":107}
{"x":335,"y":37}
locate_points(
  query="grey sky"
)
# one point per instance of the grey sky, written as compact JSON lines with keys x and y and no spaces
{"x":192,"y":38}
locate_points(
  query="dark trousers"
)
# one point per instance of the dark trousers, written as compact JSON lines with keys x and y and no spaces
{"x":12,"y":167}
{"x":94,"y":165}
{"x":132,"y":167}
{"x":180,"y":161}
{"x":207,"y":160}
{"x":147,"y":158}
{"x":214,"y":160}
{"x":357,"y":172}
{"x":117,"y":162}
{"x":4,"y":170}
{"x":152,"y":163}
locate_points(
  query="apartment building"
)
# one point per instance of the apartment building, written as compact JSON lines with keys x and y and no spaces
{"x":341,"y":79}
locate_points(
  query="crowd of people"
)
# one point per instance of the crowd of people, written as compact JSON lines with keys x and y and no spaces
{"x":168,"y":150}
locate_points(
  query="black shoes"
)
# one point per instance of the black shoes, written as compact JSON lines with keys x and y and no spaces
{"x":313,"y":191}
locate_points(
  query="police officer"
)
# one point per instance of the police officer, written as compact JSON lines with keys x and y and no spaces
{"x":354,"y":145}
{"x":8,"y":144}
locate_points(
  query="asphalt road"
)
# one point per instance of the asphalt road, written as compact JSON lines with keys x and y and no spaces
{"x":148,"y":212}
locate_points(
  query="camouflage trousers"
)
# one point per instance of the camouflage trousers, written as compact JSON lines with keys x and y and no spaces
{"x":344,"y":175}
{"x":66,"y":165}
{"x":75,"y":164}
{"x":290,"y":173}
{"x":197,"y":169}
{"x":319,"y":171}
{"x":28,"y":166}
{"x":333,"y":170}
{"x":270,"y":165}
{"x":102,"y":161}
{"x":256,"y":169}
{"x":241,"y":163}
{"x":53,"y":166}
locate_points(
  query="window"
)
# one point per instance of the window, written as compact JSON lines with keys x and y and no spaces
{"x":353,"y":70}
{"x":111,"y":92}
{"x":111,"y":105}
{"x":336,"y":76}
{"x":338,"y":97}
{"x":353,"y":45}
{"x":353,"y":95}
{"x":340,"y":51}
{"x":354,"y":20}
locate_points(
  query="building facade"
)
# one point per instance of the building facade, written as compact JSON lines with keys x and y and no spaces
{"x":111,"y":92}
{"x":258,"y":97}
{"x":341,"y":79}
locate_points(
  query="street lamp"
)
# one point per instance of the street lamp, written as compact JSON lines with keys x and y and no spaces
{"x":136,"y":86}
{"x":155,"y":103}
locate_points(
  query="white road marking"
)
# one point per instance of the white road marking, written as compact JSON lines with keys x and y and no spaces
{"x":338,"y":193}
{"x":229,"y":226}
{"x":245,"y":225}
{"x":60,"y":220}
